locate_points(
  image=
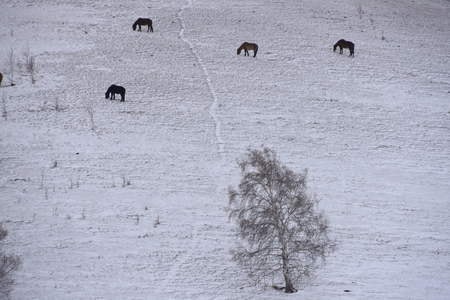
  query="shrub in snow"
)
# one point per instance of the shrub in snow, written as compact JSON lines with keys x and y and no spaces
{"x":8,"y":264}
{"x":12,"y":63}
{"x":4,"y":111}
{"x":30,"y":65}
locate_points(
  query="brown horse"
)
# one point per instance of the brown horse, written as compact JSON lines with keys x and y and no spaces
{"x":248,"y":46}
{"x":143,"y":22}
{"x":345,"y":44}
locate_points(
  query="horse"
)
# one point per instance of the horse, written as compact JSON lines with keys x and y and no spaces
{"x":248,"y":46}
{"x":142,"y":22}
{"x":345,"y":44}
{"x":113,"y":90}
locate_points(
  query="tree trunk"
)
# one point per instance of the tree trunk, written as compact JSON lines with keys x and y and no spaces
{"x":289,"y":286}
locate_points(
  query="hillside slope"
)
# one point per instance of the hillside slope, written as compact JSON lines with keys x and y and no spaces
{"x":85,"y":180}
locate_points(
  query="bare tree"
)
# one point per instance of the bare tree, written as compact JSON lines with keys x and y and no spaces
{"x":284,"y":238}
{"x":8,"y":264}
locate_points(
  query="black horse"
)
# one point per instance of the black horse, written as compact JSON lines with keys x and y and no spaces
{"x":115,"y":89}
{"x":345,"y":44}
{"x":143,"y":22}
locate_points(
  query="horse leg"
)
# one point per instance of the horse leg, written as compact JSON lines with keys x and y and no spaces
{"x":341,"y":50}
{"x":151,"y":28}
{"x":140,"y":27}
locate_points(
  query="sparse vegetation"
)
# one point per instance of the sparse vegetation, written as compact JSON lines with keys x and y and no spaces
{"x":74,"y":184}
{"x":135,"y":217}
{"x":125,"y":181}
{"x":90,"y":111}
{"x":8,"y":264}
{"x":30,"y":65}
{"x":12,"y":65}
{"x":42,"y":183}
{"x":157,"y":222}
{"x":360,"y":10}
{"x":57,"y":105}
{"x":284,"y":237}
{"x":4,"y":110}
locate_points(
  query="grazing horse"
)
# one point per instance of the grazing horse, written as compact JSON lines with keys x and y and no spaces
{"x":248,"y":46}
{"x":115,"y":89}
{"x":142,"y":22}
{"x":1,"y":78}
{"x":345,"y":44}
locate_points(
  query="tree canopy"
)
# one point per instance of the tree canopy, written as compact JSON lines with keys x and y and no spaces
{"x":283,"y":234}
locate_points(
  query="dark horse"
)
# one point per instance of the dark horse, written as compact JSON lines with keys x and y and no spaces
{"x":142,"y":22}
{"x":115,"y":89}
{"x":345,"y":44}
{"x":248,"y":46}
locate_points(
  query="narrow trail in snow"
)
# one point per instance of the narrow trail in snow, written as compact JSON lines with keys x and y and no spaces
{"x":183,"y":259}
{"x":213,"y":107}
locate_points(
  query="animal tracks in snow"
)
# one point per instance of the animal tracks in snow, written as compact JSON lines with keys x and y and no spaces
{"x":215,"y":102}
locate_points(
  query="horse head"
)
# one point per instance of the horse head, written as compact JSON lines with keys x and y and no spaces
{"x":239,"y":50}
{"x":107,"y":94}
{"x":134,"y":25}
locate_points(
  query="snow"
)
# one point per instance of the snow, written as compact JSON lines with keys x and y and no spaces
{"x":372,"y":130}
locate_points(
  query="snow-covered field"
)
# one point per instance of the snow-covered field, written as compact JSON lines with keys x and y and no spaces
{"x":81,"y":196}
